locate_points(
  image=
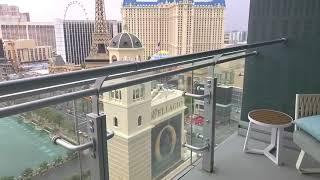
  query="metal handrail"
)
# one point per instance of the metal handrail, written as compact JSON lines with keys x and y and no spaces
{"x":56,"y":79}
{"x":91,"y":81}
{"x":194,"y":148}
{"x":28,"y":106}
{"x":58,"y":140}
{"x":110,"y":134}
{"x":196,"y":96}
{"x":62,"y":142}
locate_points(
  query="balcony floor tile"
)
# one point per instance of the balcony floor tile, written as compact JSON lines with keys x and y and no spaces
{"x":232,"y":164}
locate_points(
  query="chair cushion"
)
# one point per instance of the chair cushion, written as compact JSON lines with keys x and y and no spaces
{"x":310,"y":125}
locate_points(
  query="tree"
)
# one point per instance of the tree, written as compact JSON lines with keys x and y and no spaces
{"x":27,"y":172}
{"x":71,"y":154}
{"x":44,"y":165}
{"x":7,"y":178}
{"x":58,"y":160}
{"x":58,"y":119}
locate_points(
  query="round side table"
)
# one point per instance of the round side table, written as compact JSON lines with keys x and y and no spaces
{"x":275,"y":120}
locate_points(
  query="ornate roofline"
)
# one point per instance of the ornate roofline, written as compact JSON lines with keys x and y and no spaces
{"x":148,"y":3}
{"x":116,"y":41}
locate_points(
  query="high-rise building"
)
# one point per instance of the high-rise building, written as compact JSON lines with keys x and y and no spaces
{"x":224,"y":103}
{"x":235,"y":37}
{"x":177,"y":26}
{"x":12,"y":13}
{"x":23,"y":51}
{"x":42,"y":33}
{"x":115,"y":27}
{"x":74,"y":38}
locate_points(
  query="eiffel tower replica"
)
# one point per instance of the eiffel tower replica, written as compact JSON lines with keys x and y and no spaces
{"x":99,"y":55}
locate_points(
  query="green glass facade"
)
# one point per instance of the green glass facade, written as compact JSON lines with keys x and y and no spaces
{"x":280,"y":71}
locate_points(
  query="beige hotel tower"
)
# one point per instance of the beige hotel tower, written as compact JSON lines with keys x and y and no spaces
{"x":148,"y":122}
{"x":177,"y":26}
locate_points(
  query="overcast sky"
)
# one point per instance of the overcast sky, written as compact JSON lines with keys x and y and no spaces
{"x":47,"y":10}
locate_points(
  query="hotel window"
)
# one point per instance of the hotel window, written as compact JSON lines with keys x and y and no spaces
{"x":139,"y":120}
{"x":115,"y":122}
{"x":117,"y":94}
{"x":137,"y":94}
{"x":19,"y":56}
{"x":9,"y":54}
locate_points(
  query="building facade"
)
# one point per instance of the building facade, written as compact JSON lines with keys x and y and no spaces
{"x":273,"y":79}
{"x":5,"y":67}
{"x":229,"y":102}
{"x":115,"y":27}
{"x":23,"y":51}
{"x":148,"y":126}
{"x":235,"y":37}
{"x":58,"y":65}
{"x":126,"y":47}
{"x":42,"y":33}
{"x":74,"y":38}
{"x":148,"y":123}
{"x":179,"y":27}
{"x":11,"y":13}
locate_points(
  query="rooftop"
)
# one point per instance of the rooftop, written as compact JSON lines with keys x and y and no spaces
{"x":125,"y":40}
{"x":158,"y":2}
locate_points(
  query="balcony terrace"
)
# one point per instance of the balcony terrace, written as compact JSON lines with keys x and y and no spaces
{"x":77,"y":111}
{"x":232,"y":163}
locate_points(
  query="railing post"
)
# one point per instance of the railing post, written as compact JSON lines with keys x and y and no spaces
{"x":97,"y":129}
{"x":209,"y":127}
{"x":99,"y":152}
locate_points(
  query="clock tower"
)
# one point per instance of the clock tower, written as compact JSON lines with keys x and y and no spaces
{"x":128,"y":115}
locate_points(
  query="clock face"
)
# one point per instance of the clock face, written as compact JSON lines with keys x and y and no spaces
{"x":166,"y":145}
{"x":166,"y":142}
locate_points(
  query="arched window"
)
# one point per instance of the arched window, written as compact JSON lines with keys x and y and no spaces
{"x":142,"y":90}
{"x":112,"y":94}
{"x":137,"y":93}
{"x":139,"y":121}
{"x":117,"y":94}
{"x":114,"y":58}
{"x":115,"y":121}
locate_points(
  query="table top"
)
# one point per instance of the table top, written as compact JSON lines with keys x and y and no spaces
{"x":268,"y":117}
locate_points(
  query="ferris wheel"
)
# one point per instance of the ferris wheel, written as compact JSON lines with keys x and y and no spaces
{"x":75,"y":3}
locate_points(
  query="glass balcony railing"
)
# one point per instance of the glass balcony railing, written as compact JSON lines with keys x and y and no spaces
{"x":143,"y":120}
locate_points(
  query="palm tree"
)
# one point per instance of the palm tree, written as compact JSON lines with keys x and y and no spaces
{"x":44,"y":166}
{"x":27,"y":172}
{"x":58,"y":160}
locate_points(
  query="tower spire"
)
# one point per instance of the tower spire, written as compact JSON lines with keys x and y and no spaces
{"x":99,"y":55}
